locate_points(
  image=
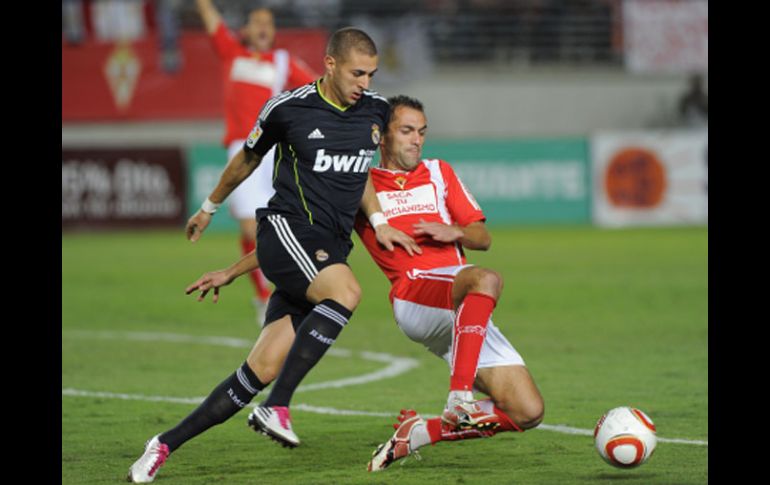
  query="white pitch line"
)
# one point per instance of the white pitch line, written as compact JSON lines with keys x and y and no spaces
{"x":560,"y":428}
{"x":395,"y":365}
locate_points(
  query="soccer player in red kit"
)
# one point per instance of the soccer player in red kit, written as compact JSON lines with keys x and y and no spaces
{"x":441,"y":301}
{"x":252,"y":74}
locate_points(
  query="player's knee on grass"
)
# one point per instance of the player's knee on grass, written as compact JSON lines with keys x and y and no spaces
{"x":526,"y":411}
{"x":514,"y":392}
{"x":527,"y":414}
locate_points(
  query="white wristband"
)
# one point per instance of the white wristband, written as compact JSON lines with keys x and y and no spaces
{"x":209,"y":207}
{"x":377,"y":218}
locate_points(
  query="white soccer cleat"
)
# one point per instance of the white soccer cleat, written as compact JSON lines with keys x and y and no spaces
{"x":396,"y":447}
{"x":275,"y":423}
{"x":146,"y":467}
{"x":462,"y":415}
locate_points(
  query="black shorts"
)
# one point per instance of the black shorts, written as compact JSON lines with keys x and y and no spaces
{"x":281,"y":304}
{"x":291,"y":255}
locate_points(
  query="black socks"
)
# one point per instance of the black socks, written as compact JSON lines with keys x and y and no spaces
{"x":224,"y":401}
{"x":314,"y":337}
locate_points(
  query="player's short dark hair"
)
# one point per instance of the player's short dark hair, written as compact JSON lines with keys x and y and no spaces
{"x":403,"y":100}
{"x":347,"y":38}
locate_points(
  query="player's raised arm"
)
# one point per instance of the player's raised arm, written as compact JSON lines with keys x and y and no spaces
{"x":237,"y":170}
{"x":472,"y":236}
{"x":385,"y":233}
{"x":209,"y":14}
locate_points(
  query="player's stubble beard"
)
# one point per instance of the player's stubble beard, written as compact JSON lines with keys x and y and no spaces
{"x":405,"y":160}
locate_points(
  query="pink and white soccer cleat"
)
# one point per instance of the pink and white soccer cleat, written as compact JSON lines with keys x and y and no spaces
{"x":275,"y":423}
{"x":146,"y":467}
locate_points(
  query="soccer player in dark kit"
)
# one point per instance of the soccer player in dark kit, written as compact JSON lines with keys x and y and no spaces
{"x":325,"y":134}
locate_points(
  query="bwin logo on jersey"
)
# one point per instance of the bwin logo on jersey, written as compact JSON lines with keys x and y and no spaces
{"x":343,"y":163}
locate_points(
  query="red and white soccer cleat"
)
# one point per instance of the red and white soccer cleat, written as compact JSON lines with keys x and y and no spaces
{"x":275,"y":423}
{"x":462,"y":415}
{"x":396,"y":447}
{"x":146,"y":467}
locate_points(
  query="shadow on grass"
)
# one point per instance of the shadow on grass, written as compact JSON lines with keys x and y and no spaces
{"x":643,"y":477}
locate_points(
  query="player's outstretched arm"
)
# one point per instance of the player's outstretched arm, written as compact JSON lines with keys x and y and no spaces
{"x":472,"y":236}
{"x":223,"y":277}
{"x":386,"y":234}
{"x":209,"y":14}
{"x":237,"y":170}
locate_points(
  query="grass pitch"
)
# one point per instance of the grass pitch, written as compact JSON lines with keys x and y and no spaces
{"x":603,"y":318}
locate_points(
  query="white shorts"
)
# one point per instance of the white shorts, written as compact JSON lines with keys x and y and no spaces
{"x":424,"y":311}
{"x":255,"y":191}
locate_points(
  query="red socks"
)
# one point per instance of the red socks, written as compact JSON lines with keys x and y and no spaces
{"x":438,"y":432}
{"x":257,"y":277}
{"x":469,"y":332}
{"x":505,"y":422}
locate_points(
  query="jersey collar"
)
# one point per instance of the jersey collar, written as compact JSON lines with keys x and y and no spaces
{"x":320,"y":93}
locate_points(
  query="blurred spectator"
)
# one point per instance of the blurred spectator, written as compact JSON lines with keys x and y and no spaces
{"x":72,"y":21}
{"x":167,"y":18}
{"x":404,"y":47}
{"x":118,"y":20}
{"x":313,"y":13}
{"x":693,"y":105}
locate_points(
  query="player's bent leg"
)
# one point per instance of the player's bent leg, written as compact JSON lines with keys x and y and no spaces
{"x":335,"y":293}
{"x":336,"y":282}
{"x":229,"y":397}
{"x":514,"y":394}
{"x":475,"y":292}
{"x":269,"y":352}
{"x":266,"y":360}
{"x":475,"y":279}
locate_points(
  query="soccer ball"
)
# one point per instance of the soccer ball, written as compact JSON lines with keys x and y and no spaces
{"x":625,"y":437}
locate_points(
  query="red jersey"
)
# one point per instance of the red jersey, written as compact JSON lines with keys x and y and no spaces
{"x":431,"y":192}
{"x":251,"y":78}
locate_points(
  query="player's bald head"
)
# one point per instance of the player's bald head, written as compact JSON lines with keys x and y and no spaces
{"x":347,"y":39}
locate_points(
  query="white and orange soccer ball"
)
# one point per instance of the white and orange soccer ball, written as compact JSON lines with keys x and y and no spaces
{"x":625,"y":437}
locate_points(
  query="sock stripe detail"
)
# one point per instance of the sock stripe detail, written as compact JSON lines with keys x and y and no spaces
{"x":456,"y":336}
{"x":331,"y":314}
{"x":245,"y":381}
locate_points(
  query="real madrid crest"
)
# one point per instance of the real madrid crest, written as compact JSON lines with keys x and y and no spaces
{"x":400,"y":181}
{"x":376,"y":134}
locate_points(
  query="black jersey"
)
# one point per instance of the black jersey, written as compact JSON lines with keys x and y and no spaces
{"x":322,"y":155}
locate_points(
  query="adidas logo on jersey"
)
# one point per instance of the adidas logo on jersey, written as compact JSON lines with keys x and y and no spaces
{"x":315,"y":135}
{"x":343,"y":163}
